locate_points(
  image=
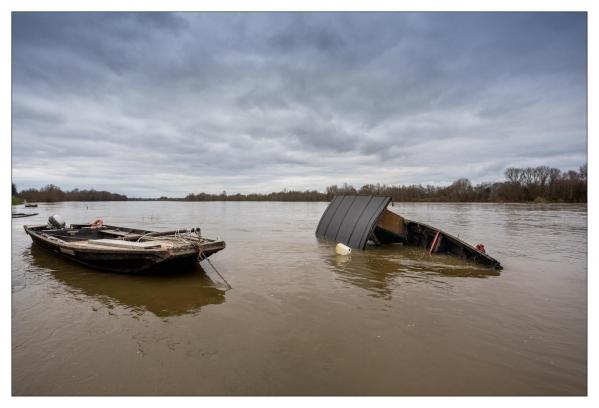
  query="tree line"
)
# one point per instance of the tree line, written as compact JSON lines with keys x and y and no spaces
{"x":530,"y":184}
{"x":52,"y":193}
{"x":538,"y":184}
{"x":285,"y":195}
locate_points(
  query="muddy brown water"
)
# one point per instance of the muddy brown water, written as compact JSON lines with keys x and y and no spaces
{"x":301,"y":320}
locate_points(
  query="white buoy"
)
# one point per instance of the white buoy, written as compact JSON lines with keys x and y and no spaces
{"x":341,"y":249}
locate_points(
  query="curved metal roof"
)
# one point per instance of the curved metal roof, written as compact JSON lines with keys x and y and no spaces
{"x":350,"y":219}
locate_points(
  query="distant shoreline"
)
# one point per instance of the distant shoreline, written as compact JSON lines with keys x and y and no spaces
{"x":182,"y":200}
{"x":540,"y":184}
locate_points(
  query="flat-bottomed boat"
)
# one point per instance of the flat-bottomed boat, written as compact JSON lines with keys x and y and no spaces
{"x":126,"y":250}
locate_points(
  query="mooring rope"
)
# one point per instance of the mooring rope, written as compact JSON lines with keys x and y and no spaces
{"x":221,"y":276}
{"x":203,"y":257}
{"x":190,"y":238}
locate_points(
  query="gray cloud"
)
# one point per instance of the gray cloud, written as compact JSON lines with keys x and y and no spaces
{"x":149,"y":104}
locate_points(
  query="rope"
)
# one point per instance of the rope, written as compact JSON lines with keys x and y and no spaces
{"x":203,"y":257}
{"x":221,"y":276}
{"x":189,"y":238}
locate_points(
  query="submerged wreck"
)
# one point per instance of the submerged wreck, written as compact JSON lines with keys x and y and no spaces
{"x":360,"y":221}
{"x":121,"y":249}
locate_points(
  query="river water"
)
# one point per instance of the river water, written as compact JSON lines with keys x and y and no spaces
{"x":301,"y":320}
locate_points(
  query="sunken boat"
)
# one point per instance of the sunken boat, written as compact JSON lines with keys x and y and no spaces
{"x":363,"y":221}
{"x":125,"y":250}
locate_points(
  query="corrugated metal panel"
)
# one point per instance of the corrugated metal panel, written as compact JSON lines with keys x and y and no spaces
{"x":327,"y":215}
{"x":350,"y":219}
{"x":367,"y":220}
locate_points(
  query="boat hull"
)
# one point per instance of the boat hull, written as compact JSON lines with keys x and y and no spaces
{"x":22,"y":215}
{"x":132,"y":262}
{"x":435,"y":241}
{"x":361,"y":221}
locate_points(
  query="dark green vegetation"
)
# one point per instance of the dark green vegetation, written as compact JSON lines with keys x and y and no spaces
{"x":15,"y":200}
{"x":538,"y":184}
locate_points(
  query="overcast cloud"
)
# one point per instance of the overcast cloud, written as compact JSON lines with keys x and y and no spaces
{"x":167,"y":104}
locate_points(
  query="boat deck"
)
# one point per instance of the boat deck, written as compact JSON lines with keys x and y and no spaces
{"x":126,"y":250}
{"x":118,"y":239}
{"x":121,"y":245}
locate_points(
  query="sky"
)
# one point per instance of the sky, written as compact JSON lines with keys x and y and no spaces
{"x":152,"y":104}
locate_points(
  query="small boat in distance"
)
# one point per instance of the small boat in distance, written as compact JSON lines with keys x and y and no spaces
{"x":30,"y":205}
{"x":21,"y":215}
{"x":360,"y":221}
{"x":121,"y":249}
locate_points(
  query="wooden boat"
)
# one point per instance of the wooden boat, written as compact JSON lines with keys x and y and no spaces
{"x":393,"y":228}
{"x":125,"y":250}
{"x":21,"y":215}
{"x":360,"y":221}
{"x":30,"y":205}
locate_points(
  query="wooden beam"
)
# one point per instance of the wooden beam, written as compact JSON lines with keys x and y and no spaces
{"x":435,"y":243}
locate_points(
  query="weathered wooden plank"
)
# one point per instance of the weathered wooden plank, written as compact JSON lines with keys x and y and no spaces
{"x":114,"y":232}
{"x":124,"y":244}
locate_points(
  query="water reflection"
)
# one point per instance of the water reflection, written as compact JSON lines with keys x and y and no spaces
{"x":379,"y":270}
{"x":166,"y":294}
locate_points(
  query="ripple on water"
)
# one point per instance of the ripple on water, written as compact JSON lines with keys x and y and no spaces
{"x":303,"y":320}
